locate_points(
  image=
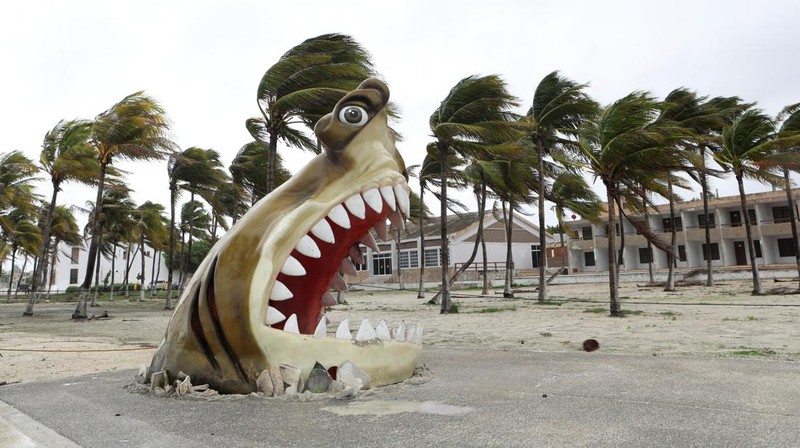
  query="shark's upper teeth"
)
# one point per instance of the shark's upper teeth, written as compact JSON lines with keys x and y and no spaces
{"x":323,"y":231}
{"x":293,"y":267}
{"x":308,"y":247}
{"x":280,"y":292}
{"x":356,"y":206}
{"x":339,"y":216}
{"x":388,"y":195}
{"x":291,"y":325}
{"x":373,"y":198}
{"x":365,"y":331}
{"x":343,"y":331}
{"x":274,"y":316}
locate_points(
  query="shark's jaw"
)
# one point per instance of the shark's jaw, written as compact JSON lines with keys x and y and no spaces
{"x":258,"y":299}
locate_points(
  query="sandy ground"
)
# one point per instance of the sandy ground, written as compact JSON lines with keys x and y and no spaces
{"x":724,"y":321}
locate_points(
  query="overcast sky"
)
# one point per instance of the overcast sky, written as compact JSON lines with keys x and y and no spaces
{"x":203,"y":60}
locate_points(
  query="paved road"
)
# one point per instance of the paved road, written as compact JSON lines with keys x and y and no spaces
{"x":477,"y":398}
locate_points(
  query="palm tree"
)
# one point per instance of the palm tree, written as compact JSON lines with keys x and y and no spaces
{"x":303,"y":86}
{"x":620,"y":146}
{"x":151,"y":229}
{"x":134,"y":129}
{"x":119,"y":228}
{"x":790,"y":126}
{"x":752,"y":149}
{"x":65,"y":229}
{"x":560,"y":106}
{"x":66,"y":155}
{"x":248,"y":167}
{"x":22,"y":234}
{"x":17,"y":175}
{"x":474,"y":117}
{"x":571,"y":191}
{"x":195,"y":221}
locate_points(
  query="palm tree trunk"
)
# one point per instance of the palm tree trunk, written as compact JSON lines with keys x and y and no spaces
{"x":153,"y":272}
{"x":757,"y":289}
{"x":22,"y":273}
{"x":399,"y":268}
{"x":141,"y":257}
{"x":273,"y":154}
{"x":704,"y":188}
{"x":80,"y":308}
{"x":53,"y":258}
{"x":182,"y":272}
{"x":38,"y":275}
{"x":507,"y":292}
{"x":612,"y":255}
{"x":113,"y":271}
{"x":191,"y":234}
{"x":793,"y":219}
{"x":171,"y":258}
{"x":649,"y":244}
{"x":421,"y":289}
{"x":485,"y":288}
{"x":445,"y":250}
{"x":97,"y":270}
{"x":670,"y":285}
{"x":481,"y":198}
{"x":11,"y":277}
{"x":542,"y":233}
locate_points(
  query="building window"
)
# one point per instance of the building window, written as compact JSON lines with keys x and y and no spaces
{"x":681,"y":253}
{"x":73,"y":276}
{"x":645,"y":255}
{"x":781,"y":214}
{"x":361,"y":266}
{"x":536,"y":250}
{"x":382,"y":264}
{"x":752,"y":215}
{"x":586,"y":233}
{"x":668,"y":225}
{"x":757,"y":246}
{"x":588,"y":258}
{"x":714,"y":251}
{"x":409,"y":259}
{"x":786,"y":247}
{"x":701,"y":222}
{"x":433,"y":258}
{"x":76,"y":254}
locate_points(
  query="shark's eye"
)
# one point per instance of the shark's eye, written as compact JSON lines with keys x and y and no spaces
{"x":353,"y":116}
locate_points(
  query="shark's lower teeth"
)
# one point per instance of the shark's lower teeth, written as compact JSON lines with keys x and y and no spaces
{"x":300,"y":291}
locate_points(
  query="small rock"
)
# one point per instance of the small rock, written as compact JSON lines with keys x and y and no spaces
{"x":158,"y":380}
{"x":200,"y":388}
{"x":185,"y":387}
{"x":590,"y":345}
{"x":264,"y":383}
{"x":209,"y":393}
{"x":318,"y":380}
{"x":291,"y":379}
{"x":348,"y":373}
{"x":277,"y":381}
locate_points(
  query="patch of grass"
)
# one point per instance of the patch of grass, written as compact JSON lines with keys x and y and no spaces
{"x":669,"y":313}
{"x":632,"y":312}
{"x":753,"y":318}
{"x":596,"y":310}
{"x":548,"y":303}
{"x":497,"y":309}
{"x":730,"y":319}
{"x":754,"y":352}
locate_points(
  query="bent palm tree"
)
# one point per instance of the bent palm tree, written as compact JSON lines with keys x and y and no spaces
{"x":134,"y":129}
{"x":790,"y":126}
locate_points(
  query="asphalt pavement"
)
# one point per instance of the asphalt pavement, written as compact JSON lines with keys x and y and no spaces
{"x":475,"y":398}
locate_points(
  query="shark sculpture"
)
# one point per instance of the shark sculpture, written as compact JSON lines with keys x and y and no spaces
{"x":258,"y":299}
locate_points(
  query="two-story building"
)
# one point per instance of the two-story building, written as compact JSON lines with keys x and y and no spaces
{"x":768,"y":213}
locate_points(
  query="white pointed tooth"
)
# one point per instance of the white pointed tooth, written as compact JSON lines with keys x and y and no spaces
{"x":355,"y":254}
{"x":328,"y":299}
{"x":400,"y":334}
{"x":381,"y":229}
{"x":397,"y":220}
{"x":308,"y":247}
{"x":388,"y":195}
{"x":274,"y":316}
{"x":293,"y":268}
{"x":347,"y":267}
{"x":338,"y":283}
{"x":291,"y":325}
{"x":373,"y":198}
{"x":369,"y":241}
{"x":410,"y":332}
{"x":339,"y":216}
{"x":401,"y":195}
{"x":365,"y":331}
{"x":323,"y":231}
{"x":418,"y":335}
{"x":382,"y":331}
{"x":343,"y":331}
{"x":280,"y":292}
{"x":321,"y":331}
{"x":356,"y":206}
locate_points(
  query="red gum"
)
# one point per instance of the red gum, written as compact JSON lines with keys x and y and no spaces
{"x":308,"y":289}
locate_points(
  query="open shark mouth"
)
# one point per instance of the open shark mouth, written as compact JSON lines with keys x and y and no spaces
{"x":258,"y":299}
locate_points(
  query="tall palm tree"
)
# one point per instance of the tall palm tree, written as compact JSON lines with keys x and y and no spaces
{"x":560,"y":106}
{"x":119,"y":228}
{"x":790,"y":126}
{"x":65,"y":229}
{"x":17,"y":175}
{"x":303,"y":86}
{"x":66,"y":156}
{"x":619,"y":146}
{"x":23,"y":234}
{"x":570,"y":191}
{"x":473,"y":117}
{"x":195,"y":221}
{"x":248,"y":168}
{"x":151,"y":230}
{"x":134,"y":129}
{"x":752,"y":149}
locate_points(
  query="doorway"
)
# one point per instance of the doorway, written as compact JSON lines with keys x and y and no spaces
{"x":741,"y":254}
